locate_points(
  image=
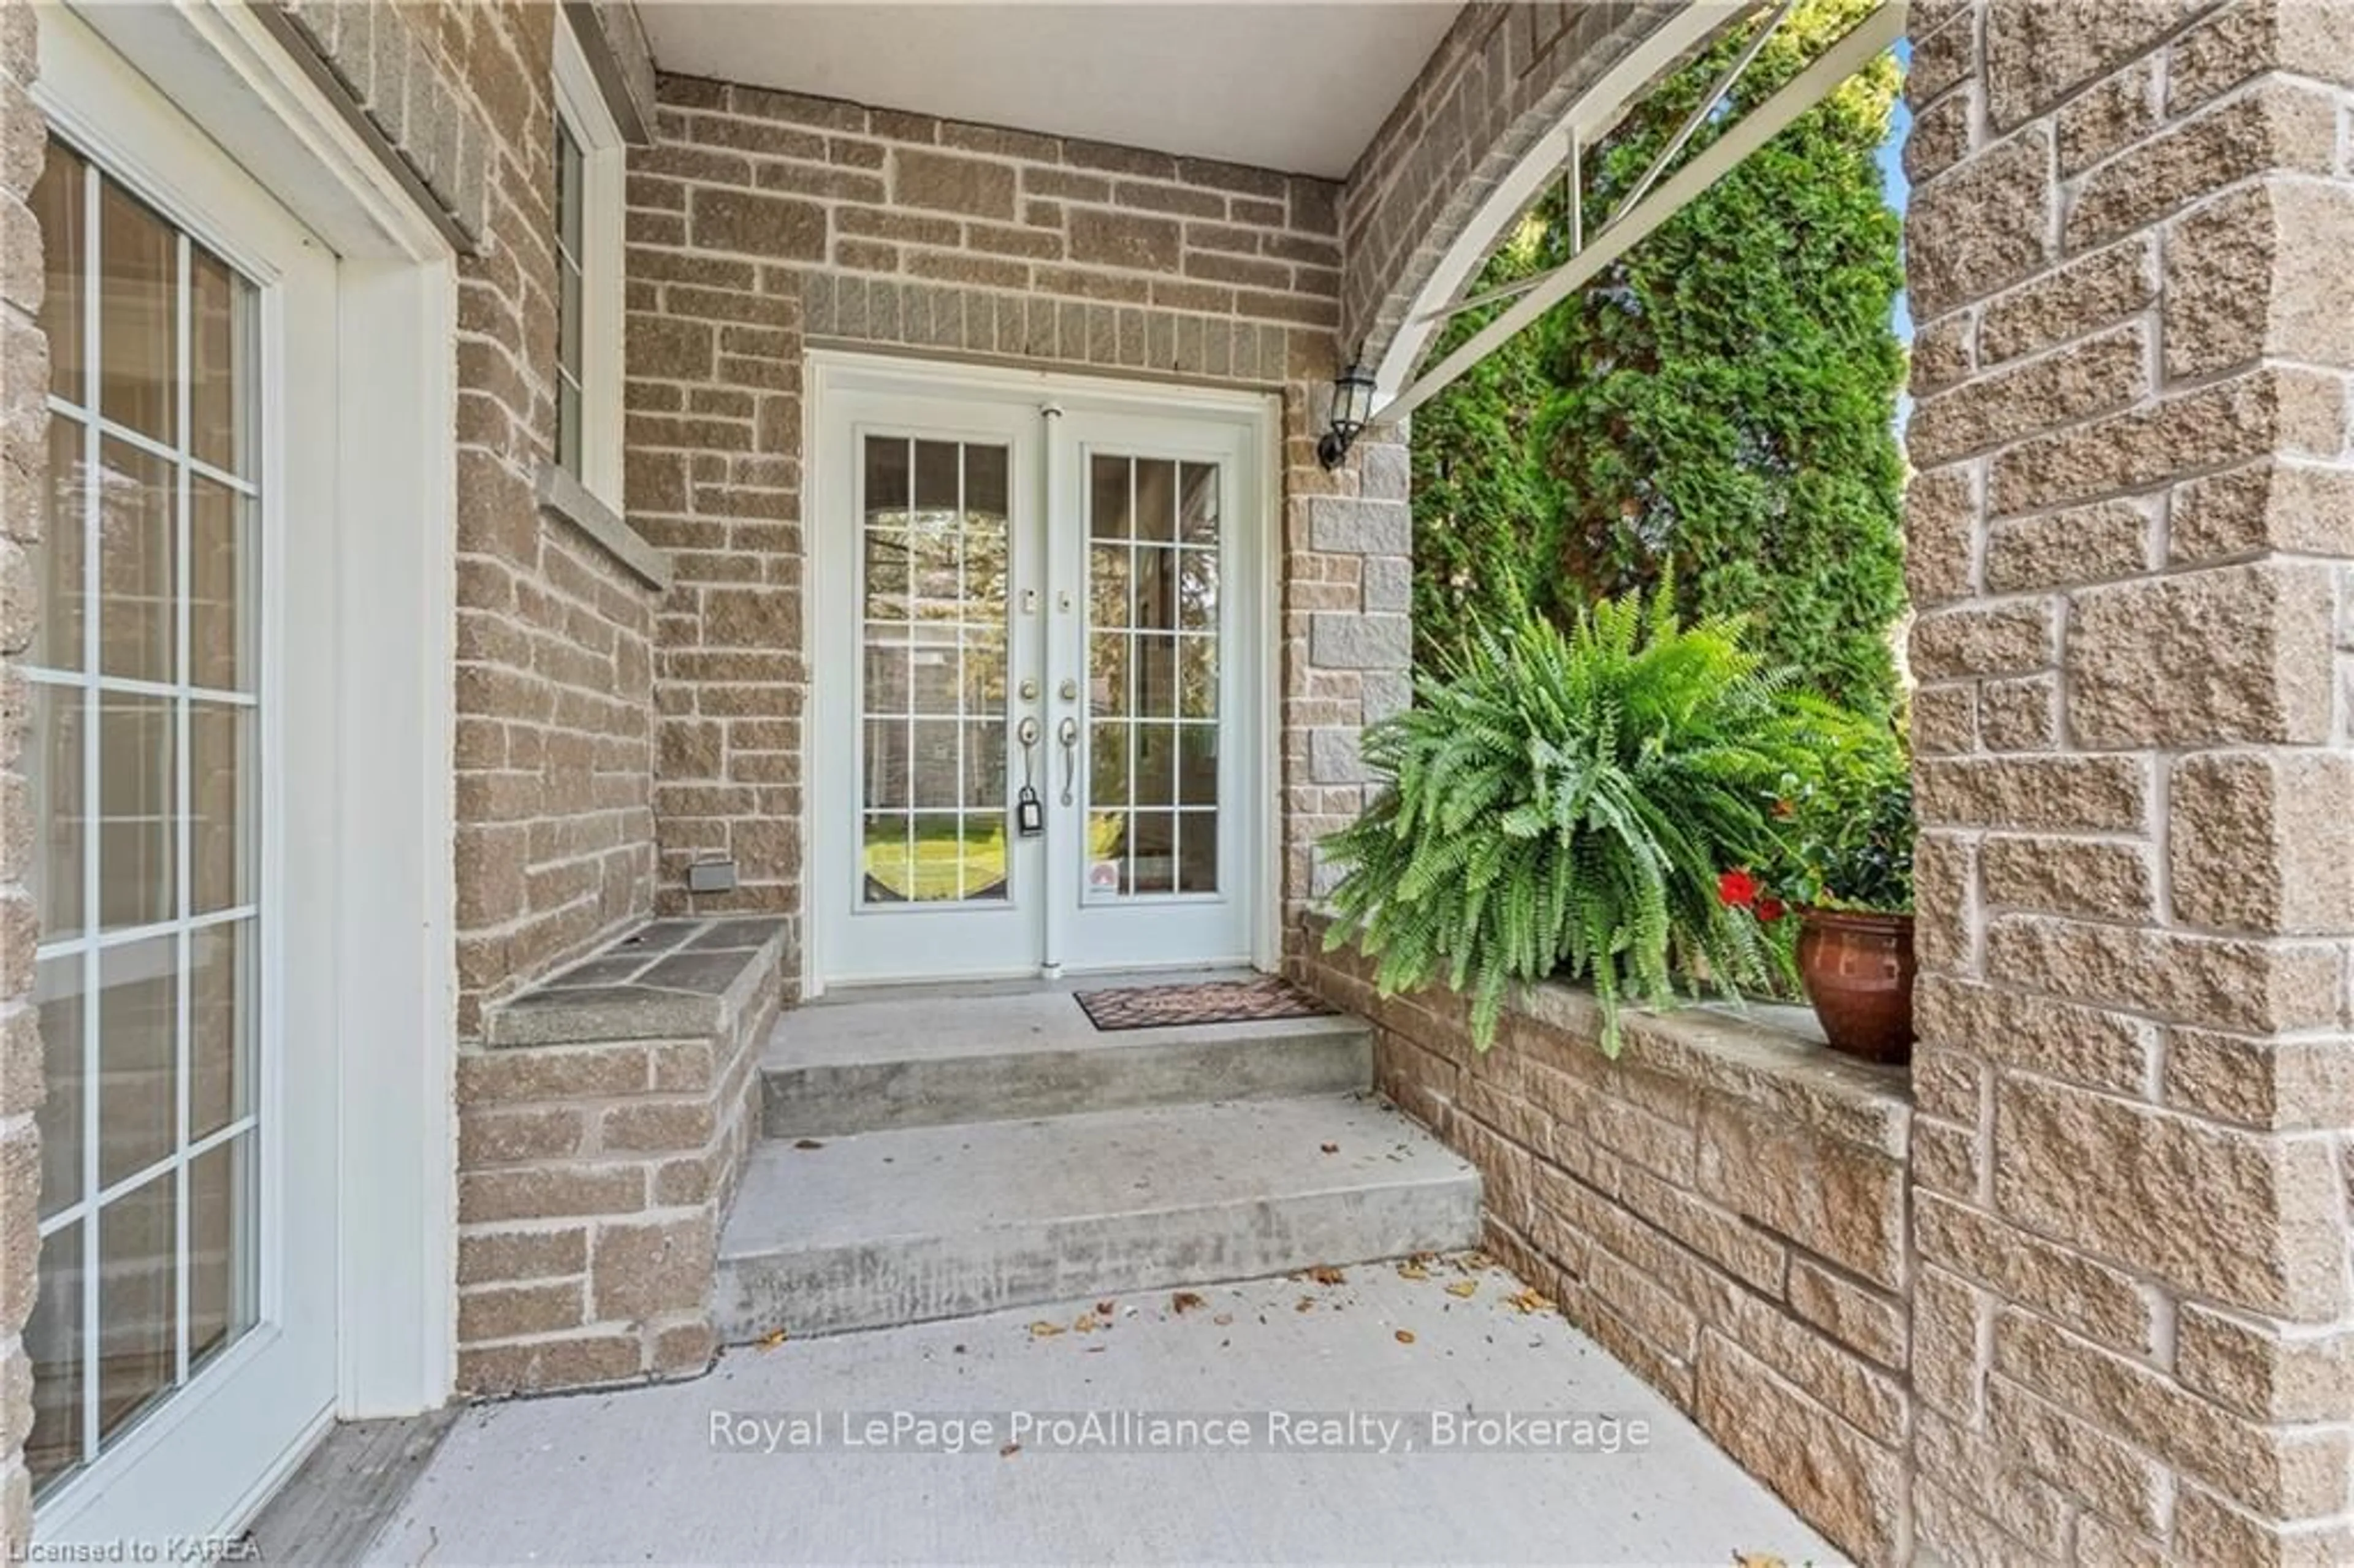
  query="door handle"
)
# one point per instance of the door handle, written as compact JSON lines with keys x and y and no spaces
{"x":1067,"y":732}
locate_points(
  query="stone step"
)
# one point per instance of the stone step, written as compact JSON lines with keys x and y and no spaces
{"x":901,"y":1226}
{"x":872,"y":1065}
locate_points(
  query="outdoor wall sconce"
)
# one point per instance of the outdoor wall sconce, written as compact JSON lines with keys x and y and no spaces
{"x":1352,"y":407}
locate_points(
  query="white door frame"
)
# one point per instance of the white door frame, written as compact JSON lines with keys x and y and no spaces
{"x":394,"y":618}
{"x":837,"y":371}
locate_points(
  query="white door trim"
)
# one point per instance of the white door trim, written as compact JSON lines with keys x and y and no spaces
{"x":834,"y":372}
{"x":395,"y":492}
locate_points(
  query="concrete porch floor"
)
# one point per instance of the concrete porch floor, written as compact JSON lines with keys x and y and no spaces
{"x":635,"y":1477}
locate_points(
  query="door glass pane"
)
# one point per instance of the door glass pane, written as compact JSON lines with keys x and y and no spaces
{"x":146,"y":667}
{"x":62,"y":201}
{"x":136,"y":553}
{"x":934,"y":599}
{"x":1152,"y":650}
{"x":58,"y":994}
{"x":222,"y":1259}
{"x":138,"y":1300}
{"x":53,"y":1341}
{"x":138,"y":283}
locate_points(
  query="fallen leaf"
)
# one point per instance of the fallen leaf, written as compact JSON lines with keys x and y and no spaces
{"x":1464,"y":1288}
{"x":1307,"y":1304}
{"x":1332,"y":1149}
{"x":770,"y":1341}
{"x":1085,"y":1323}
{"x":1757,"y":1560}
{"x":1405,"y":1336}
{"x":1410,"y":1269}
{"x":1009,"y":1450}
{"x":1478,"y":1260}
{"x":1531,"y":1300}
{"x":1325,"y":1273}
{"x":1045,"y":1331}
{"x":806,"y":1143}
{"x":1105,"y":1309}
{"x":1186,"y":1302}
{"x":1223,"y":1318}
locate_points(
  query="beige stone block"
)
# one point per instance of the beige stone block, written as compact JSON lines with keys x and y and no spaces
{"x":2262,"y":841}
{"x":2286,"y":1084}
{"x":1941,"y":528}
{"x":2241,"y":40}
{"x":487,"y":1137}
{"x":516,"y":1311}
{"x":2019,"y":715}
{"x":2086,"y":378}
{"x":1666,"y":1324}
{"x":2002,"y":639}
{"x":2015,"y":1028}
{"x":1949,"y":1326}
{"x":1950,"y":1085}
{"x":1946,"y":892}
{"x":488,"y":1256}
{"x":2068,"y":548}
{"x":748,"y":223}
{"x":2116,"y":111}
{"x":682,"y":1349}
{"x":2089,"y":794}
{"x":2287,"y":1472}
{"x":1945,"y":54}
{"x":2279,"y":125}
{"x":1130,"y":240}
{"x":550,"y":1073}
{"x":541,"y":1366}
{"x":2104,"y":879}
{"x":1943,"y":350}
{"x":2215,"y":657}
{"x":2263,"y":1368}
{"x":1981,"y":225}
{"x":657,"y":1127}
{"x":1945,"y":719}
{"x":1857,"y":1316}
{"x":2230,"y":1215}
{"x":1833,"y":1199}
{"x":1715,"y":1233}
{"x":2087,"y":294}
{"x":2273,"y":505}
{"x":2251,"y":986}
{"x":1952,"y":1528}
{"x":637,"y":1271}
{"x":1845,"y":1485}
{"x":552,"y":1191}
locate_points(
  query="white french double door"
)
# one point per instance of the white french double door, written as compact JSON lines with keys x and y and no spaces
{"x":1040,"y":649}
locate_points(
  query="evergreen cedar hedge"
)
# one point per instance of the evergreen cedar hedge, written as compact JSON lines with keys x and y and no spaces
{"x":1717,"y":408}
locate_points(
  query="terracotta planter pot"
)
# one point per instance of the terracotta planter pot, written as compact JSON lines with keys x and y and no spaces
{"x":1857,"y":970}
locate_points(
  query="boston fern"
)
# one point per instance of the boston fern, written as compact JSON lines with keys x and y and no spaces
{"x":1561,"y":802}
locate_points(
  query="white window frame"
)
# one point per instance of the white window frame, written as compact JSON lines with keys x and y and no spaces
{"x":580,"y":105}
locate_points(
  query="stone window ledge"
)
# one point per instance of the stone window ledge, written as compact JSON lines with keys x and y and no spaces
{"x":562,"y":496}
{"x":1770,"y":1055}
{"x":667,"y":979}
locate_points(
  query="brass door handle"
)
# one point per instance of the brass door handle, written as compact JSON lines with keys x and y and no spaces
{"x":1067,"y":732}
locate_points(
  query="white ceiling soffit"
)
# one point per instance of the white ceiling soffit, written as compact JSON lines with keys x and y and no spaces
{"x":1276,"y":84}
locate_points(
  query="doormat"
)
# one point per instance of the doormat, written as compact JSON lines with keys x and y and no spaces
{"x":1215,"y":1002}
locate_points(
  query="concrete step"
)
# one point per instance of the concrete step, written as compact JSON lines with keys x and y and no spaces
{"x":918,"y":1060}
{"x":914,"y":1224}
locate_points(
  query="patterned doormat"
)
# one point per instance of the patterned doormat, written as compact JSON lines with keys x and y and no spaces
{"x":1215,"y":1002}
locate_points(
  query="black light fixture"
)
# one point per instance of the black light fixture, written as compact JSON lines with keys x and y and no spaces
{"x":1352,"y":407}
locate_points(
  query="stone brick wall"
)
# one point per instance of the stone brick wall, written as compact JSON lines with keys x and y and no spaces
{"x":1723,"y":1208}
{"x":2129,"y":543}
{"x":24,"y":501}
{"x":555,"y":636}
{"x":759,"y":217}
{"x":1496,"y":86}
{"x":602,"y":1128}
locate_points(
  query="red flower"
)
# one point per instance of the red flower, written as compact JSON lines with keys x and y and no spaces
{"x":1737,"y":888}
{"x":1770,"y":910}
